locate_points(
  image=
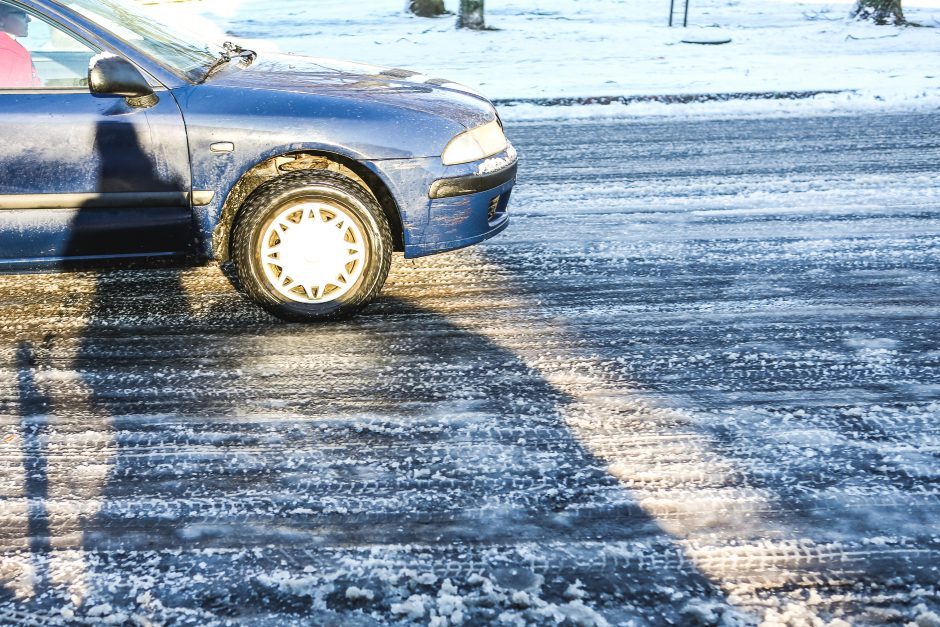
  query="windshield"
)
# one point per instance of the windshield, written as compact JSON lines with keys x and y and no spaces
{"x":173,"y":47}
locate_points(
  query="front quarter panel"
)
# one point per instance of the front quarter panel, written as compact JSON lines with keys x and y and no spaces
{"x":261,"y":119}
{"x":263,"y":124}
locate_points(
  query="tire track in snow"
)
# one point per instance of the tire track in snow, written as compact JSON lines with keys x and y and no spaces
{"x":759,"y":377}
{"x":881,"y":467}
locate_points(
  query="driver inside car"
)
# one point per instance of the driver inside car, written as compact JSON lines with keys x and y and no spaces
{"x":16,"y":65}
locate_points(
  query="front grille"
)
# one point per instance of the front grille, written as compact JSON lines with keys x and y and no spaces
{"x":491,"y":212}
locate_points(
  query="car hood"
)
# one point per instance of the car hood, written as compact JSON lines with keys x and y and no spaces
{"x":344,"y":79}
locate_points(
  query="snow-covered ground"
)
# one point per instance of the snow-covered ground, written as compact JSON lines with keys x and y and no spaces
{"x":588,"y":48}
{"x":694,"y":383}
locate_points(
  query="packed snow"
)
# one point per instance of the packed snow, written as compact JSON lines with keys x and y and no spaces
{"x":694,"y":382}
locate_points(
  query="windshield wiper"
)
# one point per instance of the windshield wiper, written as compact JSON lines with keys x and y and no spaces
{"x":229,"y":51}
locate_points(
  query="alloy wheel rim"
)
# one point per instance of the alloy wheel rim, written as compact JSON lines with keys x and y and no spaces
{"x":313,"y":252}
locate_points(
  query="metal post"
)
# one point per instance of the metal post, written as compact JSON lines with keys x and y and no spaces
{"x":672,"y":10}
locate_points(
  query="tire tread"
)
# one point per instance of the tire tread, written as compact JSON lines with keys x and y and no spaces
{"x":255,"y":211}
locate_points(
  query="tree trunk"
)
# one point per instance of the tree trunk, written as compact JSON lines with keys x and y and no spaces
{"x":471,"y":15}
{"x":880,"y":11}
{"x":426,"y":8}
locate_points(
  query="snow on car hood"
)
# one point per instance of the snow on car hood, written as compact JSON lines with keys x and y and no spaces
{"x":333,"y":77}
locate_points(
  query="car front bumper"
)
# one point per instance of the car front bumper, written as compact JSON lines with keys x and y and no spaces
{"x":449,"y":207}
{"x":459,"y":221}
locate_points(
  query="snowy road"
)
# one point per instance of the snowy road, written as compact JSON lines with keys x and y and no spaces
{"x":696,"y":382}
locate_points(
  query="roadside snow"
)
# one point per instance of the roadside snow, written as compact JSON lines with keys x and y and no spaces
{"x":845,"y":103}
{"x":580,"y":48}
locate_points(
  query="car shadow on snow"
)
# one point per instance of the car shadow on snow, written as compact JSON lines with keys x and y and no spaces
{"x":391,"y":467}
{"x":180,"y":457}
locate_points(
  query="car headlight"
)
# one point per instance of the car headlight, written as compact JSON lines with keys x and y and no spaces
{"x":478,"y":143}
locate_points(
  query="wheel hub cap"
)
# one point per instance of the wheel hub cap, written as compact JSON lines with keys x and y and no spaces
{"x":313,"y":252}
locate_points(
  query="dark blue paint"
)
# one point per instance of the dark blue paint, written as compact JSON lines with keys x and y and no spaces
{"x":75,"y":143}
{"x":58,"y":142}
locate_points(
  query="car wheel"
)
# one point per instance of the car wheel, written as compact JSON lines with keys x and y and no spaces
{"x":311,"y":245}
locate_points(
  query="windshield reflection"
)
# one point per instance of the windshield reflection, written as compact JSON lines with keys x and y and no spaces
{"x":184,"y":51}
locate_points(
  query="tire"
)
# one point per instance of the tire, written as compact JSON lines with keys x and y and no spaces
{"x":311,"y":245}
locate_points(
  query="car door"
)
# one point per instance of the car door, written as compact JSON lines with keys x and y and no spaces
{"x":85,"y":176}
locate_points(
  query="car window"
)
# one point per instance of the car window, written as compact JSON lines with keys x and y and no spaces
{"x":35,"y":54}
{"x":176,"y":47}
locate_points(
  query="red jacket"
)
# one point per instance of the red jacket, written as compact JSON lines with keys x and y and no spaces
{"x":16,"y":66}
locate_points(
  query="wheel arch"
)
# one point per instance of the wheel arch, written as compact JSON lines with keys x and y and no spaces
{"x":298,"y":160}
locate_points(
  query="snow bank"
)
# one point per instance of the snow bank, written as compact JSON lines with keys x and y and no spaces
{"x":576,"y":48}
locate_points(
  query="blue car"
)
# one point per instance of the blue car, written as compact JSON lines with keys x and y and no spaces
{"x":121,"y":138}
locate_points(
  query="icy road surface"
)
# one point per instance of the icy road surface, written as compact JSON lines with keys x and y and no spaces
{"x":696,"y":382}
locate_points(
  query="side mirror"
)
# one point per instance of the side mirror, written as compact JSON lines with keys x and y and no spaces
{"x":116,"y":76}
